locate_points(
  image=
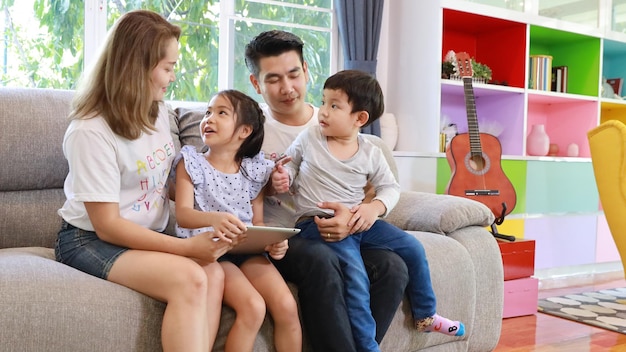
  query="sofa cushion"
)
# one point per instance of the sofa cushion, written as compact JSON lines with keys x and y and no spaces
{"x":40,"y":127}
{"x":54,"y":307}
{"x":438,"y":213}
{"x":185,"y":124}
{"x":29,"y":218}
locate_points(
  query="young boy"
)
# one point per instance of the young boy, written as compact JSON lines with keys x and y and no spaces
{"x":333,"y":161}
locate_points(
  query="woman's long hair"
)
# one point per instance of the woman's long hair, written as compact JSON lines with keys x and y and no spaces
{"x":118,"y":86}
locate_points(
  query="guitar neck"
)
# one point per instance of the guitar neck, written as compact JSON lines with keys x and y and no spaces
{"x":472,"y":119}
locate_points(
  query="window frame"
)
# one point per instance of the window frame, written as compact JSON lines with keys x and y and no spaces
{"x":95,"y":34}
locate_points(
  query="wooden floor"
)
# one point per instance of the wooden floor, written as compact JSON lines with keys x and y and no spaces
{"x":545,"y":333}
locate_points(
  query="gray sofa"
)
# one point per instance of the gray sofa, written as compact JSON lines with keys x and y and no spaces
{"x":48,"y":306}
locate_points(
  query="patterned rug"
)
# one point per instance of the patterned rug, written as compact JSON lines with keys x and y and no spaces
{"x":604,"y":309}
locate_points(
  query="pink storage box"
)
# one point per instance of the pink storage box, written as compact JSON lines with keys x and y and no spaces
{"x":520,"y":297}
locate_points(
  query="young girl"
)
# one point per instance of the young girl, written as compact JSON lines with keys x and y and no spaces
{"x":221,"y":190}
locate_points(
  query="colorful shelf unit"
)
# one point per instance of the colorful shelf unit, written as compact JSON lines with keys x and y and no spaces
{"x":513,"y":108}
{"x":557,"y":201}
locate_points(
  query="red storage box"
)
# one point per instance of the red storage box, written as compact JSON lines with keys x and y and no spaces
{"x":518,"y":258}
{"x":520,"y":297}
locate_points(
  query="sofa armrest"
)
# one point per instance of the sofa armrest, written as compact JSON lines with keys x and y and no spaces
{"x":438,"y":213}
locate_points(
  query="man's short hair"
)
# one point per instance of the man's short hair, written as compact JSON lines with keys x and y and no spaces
{"x":271,"y":43}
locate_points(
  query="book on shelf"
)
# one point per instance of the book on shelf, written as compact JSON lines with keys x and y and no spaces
{"x":559,"y":79}
{"x":616,"y":83}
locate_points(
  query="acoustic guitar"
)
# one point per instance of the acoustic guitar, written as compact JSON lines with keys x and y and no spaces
{"x":475,"y":158}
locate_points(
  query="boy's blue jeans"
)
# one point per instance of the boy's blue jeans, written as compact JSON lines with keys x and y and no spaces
{"x":381,"y":235}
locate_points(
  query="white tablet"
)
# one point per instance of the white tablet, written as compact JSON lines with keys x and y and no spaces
{"x":261,"y":236}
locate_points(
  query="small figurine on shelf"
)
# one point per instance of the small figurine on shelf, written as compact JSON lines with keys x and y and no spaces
{"x":553,"y":150}
{"x":447,"y":69}
{"x":607,"y":90}
{"x":572,"y":150}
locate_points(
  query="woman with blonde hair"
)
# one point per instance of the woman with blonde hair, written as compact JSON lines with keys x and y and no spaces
{"x":119,"y":150}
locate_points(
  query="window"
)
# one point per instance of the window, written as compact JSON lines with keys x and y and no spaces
{"x":46,"y":44}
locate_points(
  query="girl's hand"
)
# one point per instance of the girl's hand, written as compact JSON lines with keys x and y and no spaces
{"x":226,"y":226}
{"x":277,"y":250}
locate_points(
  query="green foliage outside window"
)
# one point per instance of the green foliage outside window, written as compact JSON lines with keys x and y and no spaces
{"x":54,"y":58}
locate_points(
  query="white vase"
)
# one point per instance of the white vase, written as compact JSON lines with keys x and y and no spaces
{"x":538,"y":141}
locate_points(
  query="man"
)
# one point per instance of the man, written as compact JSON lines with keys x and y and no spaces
{"x":279,"y":73}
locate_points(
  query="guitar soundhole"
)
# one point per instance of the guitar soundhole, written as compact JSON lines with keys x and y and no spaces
{"x":477,"y":164}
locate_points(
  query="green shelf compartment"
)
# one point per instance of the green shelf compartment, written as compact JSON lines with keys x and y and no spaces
{"x":580,"y":53}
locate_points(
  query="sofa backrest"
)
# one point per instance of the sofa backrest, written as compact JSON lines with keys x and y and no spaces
{"x":32,"y":124}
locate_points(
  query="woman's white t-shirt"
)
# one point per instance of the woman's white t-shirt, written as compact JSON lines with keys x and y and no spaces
{"x":104,"y":167}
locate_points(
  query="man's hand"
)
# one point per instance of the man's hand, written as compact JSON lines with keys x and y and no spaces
{"x":336,"y":228}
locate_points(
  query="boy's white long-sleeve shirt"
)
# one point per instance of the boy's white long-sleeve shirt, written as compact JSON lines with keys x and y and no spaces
{"x":317,"y":176}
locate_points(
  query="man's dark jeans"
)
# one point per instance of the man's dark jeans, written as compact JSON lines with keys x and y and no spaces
{"x":314,"y":268}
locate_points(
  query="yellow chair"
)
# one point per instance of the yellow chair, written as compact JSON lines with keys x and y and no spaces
{"x":607,"y":144}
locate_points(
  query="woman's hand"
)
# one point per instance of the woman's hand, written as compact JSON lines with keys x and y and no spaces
{"x":207,"y":247}
{"x":278,"y":250}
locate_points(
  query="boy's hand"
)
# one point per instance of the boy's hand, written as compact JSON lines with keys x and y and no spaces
{"x":280,"y":178}
{"x":363,"y":216}
{"x":277,"y":250}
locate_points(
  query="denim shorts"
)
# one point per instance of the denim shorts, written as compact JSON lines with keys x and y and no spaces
{"x":86,"y":252}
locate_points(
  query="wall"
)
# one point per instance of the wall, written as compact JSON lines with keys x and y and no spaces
{"x":412,"y":69}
